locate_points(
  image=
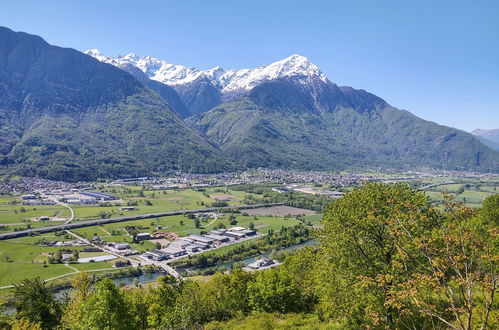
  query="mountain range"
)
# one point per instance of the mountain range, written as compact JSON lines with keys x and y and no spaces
{"x":288,"y":114}
{"x":67,"y":115}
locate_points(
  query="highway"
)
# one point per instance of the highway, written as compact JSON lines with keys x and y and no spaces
{"x":89,"y":223}
{"x":436,"y":185}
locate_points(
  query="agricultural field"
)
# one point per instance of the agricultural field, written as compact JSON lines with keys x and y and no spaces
{"x":152,"y":201}
{"x":472,"y":194}
{"x":21,"y":258}
{"x":15,"y":215}
{"x":314,"y":219}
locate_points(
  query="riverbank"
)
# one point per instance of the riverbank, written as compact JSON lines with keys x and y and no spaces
{"x":274,"y":240}
{"x":121,"y":277}
{"x":279,"y":254}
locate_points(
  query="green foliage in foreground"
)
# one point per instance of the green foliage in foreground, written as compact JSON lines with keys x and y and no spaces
{"x":386,"y":260}
{"x":274,"y":321}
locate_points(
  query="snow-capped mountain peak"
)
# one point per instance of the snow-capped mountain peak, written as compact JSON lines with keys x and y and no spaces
{"x":294,"y":65}
{"x":226,"y":80}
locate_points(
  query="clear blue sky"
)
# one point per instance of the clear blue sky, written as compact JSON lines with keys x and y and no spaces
{"x":438,"y":59}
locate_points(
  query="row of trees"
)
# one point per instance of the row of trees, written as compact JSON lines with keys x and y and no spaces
{"x":386,"y":259}
{"x":295,"y":199}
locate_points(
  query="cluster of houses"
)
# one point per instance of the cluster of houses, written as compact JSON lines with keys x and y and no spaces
{"x":196,"y":243}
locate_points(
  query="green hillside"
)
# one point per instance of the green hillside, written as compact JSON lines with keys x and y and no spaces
{"x":67,"y":116}
{"x":284,"y":125}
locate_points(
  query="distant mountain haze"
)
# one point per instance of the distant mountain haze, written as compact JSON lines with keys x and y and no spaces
{"x":490,"y":134}
{"x":489,"y":137}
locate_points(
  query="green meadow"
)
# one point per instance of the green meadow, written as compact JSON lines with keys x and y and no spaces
{"x":472,"y":194}
{"x":20,"y":258}
{"x":16,"y":214}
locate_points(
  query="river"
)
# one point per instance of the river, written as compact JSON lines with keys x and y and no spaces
{"x":143,"y":278}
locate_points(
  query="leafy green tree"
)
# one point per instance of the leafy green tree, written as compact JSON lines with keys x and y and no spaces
{"x":105,"y":308}
{"x":57,"y":257}
{"x":193,"y":307}
{"x":275,"y":291}
{"x":219,"y":225}
{"x":81,"y":290}
{"x":370,"y":243}
{"x":232,"y":220}
{"x":197,"y":223}
{"x":139,"y":302}
{"x":162,"y":302}
{"x":230,"y":294}
{"x":457,"y":283}
{"x":35,"y":302}
{"x":25,"y":324}
{"x":489,"y":213}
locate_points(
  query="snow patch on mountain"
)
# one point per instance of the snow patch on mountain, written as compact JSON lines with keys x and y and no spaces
{"x":226,"y":80}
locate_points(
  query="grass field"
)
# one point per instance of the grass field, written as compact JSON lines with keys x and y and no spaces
{"x":278,"y":211}
{"x":23,"y":214}
{"x":472,"y":195}
{"x":314,"y":219}
{"x":21,"y":258}
{"x":14,"y":272}
{"x":14,"y":215}
{"x":160,"y":200}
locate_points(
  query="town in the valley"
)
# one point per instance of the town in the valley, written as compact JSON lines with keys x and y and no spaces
{"x":184,"y":225}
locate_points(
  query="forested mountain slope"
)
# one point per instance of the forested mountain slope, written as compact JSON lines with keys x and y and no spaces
{"x":65,"y":115}
{"x":318,"y":125}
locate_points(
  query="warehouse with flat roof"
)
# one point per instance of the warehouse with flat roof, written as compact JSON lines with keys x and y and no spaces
{"x":202,"y":239}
